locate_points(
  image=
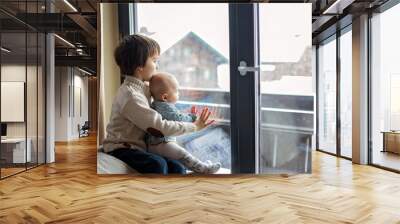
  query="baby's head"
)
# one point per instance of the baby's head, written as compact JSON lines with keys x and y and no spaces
{"x":164,"y":87}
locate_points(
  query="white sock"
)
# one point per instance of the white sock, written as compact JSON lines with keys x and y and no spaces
{"x":212,"y":167}
{"x":198,"y":166}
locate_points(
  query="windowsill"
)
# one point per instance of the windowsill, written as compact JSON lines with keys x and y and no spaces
{"x":220,"y":171}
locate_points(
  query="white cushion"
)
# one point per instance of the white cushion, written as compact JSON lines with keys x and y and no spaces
{"x":107,"y":164}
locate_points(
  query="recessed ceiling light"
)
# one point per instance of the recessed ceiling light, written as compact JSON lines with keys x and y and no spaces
{"x":5,"y":50}
{"x":64,"y":40}
{"x":337,"y":7}
{"x":70,"y":5}
{"x":84,"y":71}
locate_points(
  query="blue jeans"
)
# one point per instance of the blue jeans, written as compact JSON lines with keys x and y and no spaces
{"x":145,"y":162}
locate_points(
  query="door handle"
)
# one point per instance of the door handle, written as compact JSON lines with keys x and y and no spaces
{"x":243,"y":69}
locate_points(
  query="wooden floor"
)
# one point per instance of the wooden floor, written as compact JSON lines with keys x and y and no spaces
{"x":10,"y":171}
{"x":70,"y":191}
{"x":387,"y":159}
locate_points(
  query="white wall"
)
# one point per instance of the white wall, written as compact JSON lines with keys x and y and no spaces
{"x":61,"y":103}
{"x":70,"y":84}
{"x":109,"y":74}
{"x":33,"y":126}
{"x":80,"y":100}
{"x":12,"y":73}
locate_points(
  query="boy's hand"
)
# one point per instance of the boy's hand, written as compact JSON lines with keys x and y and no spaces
{"x":202,"y":120}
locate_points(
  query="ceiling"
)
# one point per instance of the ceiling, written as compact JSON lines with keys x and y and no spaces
{"x":76,"y":22}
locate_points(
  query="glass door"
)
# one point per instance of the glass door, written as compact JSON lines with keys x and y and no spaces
{"x":286,"y":88}
{"x":15,"y":148}
{"x":195,"y":49}
{"x":273,"y":111}
{"x":264,"y":111}
{"x":22,"y":76}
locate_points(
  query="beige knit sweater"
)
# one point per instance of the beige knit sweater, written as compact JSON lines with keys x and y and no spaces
{"x":131,"y":117}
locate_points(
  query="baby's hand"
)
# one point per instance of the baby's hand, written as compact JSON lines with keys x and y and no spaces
{"x":193,"y":110}
{"x":202,"y":121}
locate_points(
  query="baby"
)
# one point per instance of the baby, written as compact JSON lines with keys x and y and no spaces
{"x":164,"y":89}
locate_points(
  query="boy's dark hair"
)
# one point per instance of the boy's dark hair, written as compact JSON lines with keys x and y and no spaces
{"x":133,"y":52}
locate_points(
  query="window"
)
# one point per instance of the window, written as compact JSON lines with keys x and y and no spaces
{"x":172,"y":52}
{"x":287,"y":107}
{"x":394,"y":102}
{"x":327,"y":96}
{"x":186,"y":51}
{"x":385,"y":89}
{"x":346,"y":75}
{"x":202,"y":65}
{"x":206,"y":74}
{"x":184,"y":28}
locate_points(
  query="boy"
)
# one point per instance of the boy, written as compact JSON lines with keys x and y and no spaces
{"x":164,"y":89}
{"x":131,"y":115}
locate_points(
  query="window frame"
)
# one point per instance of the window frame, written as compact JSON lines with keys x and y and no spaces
{"x":334,"y":37}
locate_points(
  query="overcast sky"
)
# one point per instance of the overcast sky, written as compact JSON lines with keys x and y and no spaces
{"x":285,"y":29}
{"x":285,"y":32}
